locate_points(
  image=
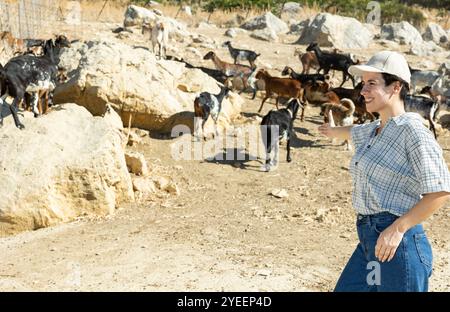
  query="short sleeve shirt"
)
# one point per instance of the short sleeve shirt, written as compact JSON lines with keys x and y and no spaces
{"x":392,"y":170}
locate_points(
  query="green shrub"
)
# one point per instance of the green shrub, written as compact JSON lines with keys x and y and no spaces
{"x":391,"y":10}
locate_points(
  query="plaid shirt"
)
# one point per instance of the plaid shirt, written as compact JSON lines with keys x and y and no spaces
{"x":392,"y":170}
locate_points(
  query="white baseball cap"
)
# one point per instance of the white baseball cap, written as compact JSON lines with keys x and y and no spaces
{"x":388,"y":62}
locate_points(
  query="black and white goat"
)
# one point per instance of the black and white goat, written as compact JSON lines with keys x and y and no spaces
{"x":275,"y":125}
{"x":28,"y":74}
{"x":425,"y":107}
{"x":240,"y":54}
{"x":207,"y":104}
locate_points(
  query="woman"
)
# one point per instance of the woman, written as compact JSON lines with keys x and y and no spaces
{"x":399,"y":177}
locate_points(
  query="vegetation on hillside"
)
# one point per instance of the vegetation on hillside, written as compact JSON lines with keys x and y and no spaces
{"x":391,"y":10}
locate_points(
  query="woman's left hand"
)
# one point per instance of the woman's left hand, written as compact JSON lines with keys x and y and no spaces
{"x":388,"y":242}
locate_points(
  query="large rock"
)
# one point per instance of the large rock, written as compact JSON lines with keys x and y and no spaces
{"x":267,"y":20}
{"x":336,"y":31}
{"x":135,"y":16}
{"x":403,"y":33}
{"x":435,"y":33}
{"x":290,"y":10}
{"x":155,"y":94}
{"x":62,"y":165}
{"x":426,"y":48}
{"x":298,"y":27}
{"x":266,"y":34}
{"x":233,"y":32}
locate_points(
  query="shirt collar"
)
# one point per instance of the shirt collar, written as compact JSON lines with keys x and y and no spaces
{"x":405,"y":117}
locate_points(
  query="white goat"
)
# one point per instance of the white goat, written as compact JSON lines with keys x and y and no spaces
{"x":159,"y":35}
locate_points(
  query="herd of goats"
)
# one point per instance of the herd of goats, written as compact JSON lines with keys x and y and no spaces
{"x":31,"y":76}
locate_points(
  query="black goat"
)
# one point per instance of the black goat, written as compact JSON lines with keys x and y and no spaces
{"x":236,"y":54}
{"x":425,"y":107}
{"x":334,"y":61}
{"x":303,"y":78}
{"x":275,"y":125}
{"x":208,"y":104}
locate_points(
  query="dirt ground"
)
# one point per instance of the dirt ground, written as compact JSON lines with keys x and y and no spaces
{"x":224,"y":231}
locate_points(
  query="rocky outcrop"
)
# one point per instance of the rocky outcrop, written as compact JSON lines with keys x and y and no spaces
{"x":403,"y":33}
{"x":336,"y":31}
{"x":64,"y":164}
{"x":265,"y":21}
{"x":435,"y":33}
{"x":155,"y":94}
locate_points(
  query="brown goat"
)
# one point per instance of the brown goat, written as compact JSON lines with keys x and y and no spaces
{"x":341,"y":113}
{"x":9,"y":43}
{"x":230,"y":70}
{"x":308,"y":60}
{"x":286,"y":87}
{"x":317,"y":93}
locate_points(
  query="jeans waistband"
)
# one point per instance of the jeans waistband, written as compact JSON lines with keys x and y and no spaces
{"x":377,"y":217}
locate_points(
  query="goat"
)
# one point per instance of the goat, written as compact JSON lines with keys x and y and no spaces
{"x":236,"y":54}
{"x":286,"y":87}
{"x":422,"y":78}
{"x":308,"y":60}
{"x":10,"y":44}
{"x":303,"y":78}
{"x":28,"y":74}
{"x":159,"y":35}
{"x":358,"y":100}
{"x":281,"y":122}
{"x":207,"y":104}
{"x":232,"y":70}
{"x":30,"y":46}
{"x":442,"y":84}
{"x":434,"y":95}
{"x":425,"y":107}
{"x":335,"y":61}
{"x":342,"y":114}
{"x":34,"y":100}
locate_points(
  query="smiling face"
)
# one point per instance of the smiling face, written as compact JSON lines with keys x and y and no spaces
{"x":377,"y":95}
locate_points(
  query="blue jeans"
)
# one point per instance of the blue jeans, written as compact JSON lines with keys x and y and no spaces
{"x":408,"y":270}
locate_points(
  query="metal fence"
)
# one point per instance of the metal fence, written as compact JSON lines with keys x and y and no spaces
{"x":35,"y":18}
{"x":27,"y":18}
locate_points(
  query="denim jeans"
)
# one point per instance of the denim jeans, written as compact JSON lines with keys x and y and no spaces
{"x":408,"y":270}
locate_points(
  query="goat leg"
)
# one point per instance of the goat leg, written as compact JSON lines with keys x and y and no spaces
{"x":254,"y":93}
{"x":353,"y":80}
{"x":1,"y":112}
{"x":14,"y":109}
{"x":288,"y":147}
{"x":35,"y":104}
{"x":259,"y":110}
{"x":344,"y":79}
{"x":268,"y":141}
{"x":45,"y":109}
{"x":205,"y":118}
{"x":276,"y":102}
{"x":432,"y":127}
